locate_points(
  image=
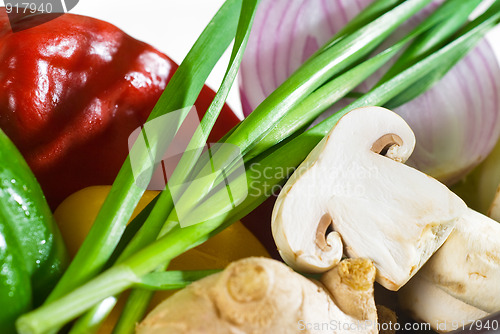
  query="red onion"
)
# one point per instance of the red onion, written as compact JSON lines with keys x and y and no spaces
{"x":456,"y":123}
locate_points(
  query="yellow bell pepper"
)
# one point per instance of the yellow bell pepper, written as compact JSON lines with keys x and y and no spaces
{"x":77,"y":213}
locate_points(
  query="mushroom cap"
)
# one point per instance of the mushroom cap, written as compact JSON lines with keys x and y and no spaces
{"x":426,"y":302}
{"x":378,"y":207}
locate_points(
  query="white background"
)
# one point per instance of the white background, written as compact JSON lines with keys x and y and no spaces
{"x":172,"y":26}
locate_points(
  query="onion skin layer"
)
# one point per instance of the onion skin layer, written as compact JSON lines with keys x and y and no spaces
{"x":456,"y":122}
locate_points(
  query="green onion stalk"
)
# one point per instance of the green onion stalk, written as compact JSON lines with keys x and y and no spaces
{"x":273,"y":136}
{"x":137,"y":298}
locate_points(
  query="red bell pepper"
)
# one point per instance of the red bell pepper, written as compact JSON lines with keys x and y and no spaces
{"x":71,"y":92}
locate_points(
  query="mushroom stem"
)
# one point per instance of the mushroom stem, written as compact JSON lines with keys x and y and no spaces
{"x":323,"y":225}
{"x":385,"y":142}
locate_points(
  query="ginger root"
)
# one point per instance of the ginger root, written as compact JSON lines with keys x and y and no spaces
{"x":351,"y":286}
{"x":259,"y":295}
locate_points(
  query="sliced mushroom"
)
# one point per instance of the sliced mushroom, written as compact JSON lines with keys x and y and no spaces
{"x":426,"y":302}
{"x":467,"y":266}
{"x":378,"y":207}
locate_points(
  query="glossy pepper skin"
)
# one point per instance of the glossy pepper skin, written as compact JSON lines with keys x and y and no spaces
{"x":32,"y":253}
{"x":71,"y":92}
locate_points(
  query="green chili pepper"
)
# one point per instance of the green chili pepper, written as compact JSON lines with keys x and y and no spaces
{"x":32,"y":253}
